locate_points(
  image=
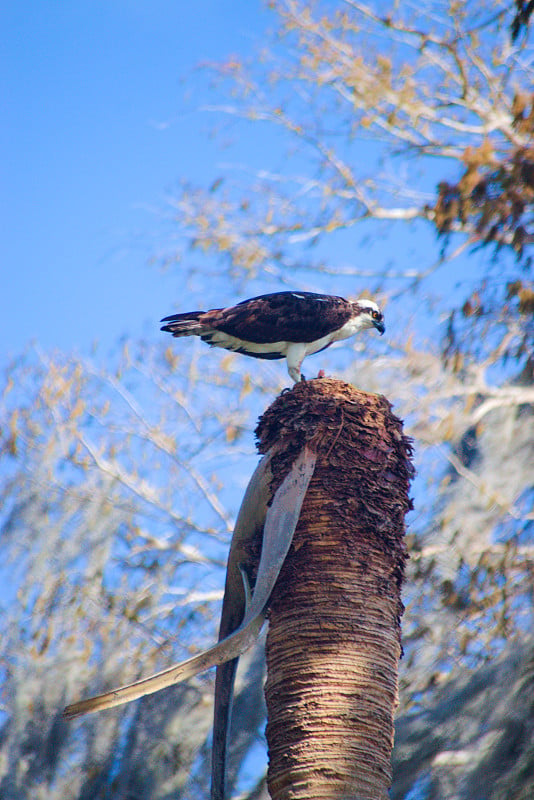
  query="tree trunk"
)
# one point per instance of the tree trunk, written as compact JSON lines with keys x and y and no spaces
{"x":334,"y":628}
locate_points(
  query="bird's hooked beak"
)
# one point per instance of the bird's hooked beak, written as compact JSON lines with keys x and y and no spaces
{"x":379,"y":325}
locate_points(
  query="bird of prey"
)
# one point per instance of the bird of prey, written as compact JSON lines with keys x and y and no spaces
{"x":290,"y":325}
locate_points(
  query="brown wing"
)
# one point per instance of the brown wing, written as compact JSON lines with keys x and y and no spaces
{"x":281,"y":317}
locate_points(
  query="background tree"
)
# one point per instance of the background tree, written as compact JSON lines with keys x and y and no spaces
{"x":407,"y":130}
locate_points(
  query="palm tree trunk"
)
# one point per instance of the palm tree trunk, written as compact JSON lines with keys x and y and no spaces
{"x":334,"y":627}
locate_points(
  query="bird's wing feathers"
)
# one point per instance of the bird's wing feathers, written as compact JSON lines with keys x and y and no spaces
{"x":183,"y":324}
{"x":283,"y":316}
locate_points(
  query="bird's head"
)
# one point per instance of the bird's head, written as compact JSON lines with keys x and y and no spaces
{"x":369,"y":315}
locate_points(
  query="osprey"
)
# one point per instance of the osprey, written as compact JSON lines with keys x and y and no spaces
{"x":290,"y":325}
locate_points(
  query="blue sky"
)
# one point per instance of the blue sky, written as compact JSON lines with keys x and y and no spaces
{"x":99,"y":120}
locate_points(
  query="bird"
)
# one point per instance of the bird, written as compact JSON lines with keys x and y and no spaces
{"x":290,"y":325}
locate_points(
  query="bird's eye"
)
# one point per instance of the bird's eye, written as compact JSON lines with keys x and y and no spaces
{"x":375,"y":314}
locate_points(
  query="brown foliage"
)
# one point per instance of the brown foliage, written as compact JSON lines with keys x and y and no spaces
{"x":493,"y":199}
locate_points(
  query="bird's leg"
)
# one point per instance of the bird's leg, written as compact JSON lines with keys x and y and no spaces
{"x":296,"y":352}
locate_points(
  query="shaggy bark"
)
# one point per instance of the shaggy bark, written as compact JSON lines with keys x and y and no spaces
{"x":334,"y":634}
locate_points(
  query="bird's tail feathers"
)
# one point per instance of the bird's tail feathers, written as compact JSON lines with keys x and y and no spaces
{"x":183,"y":324}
